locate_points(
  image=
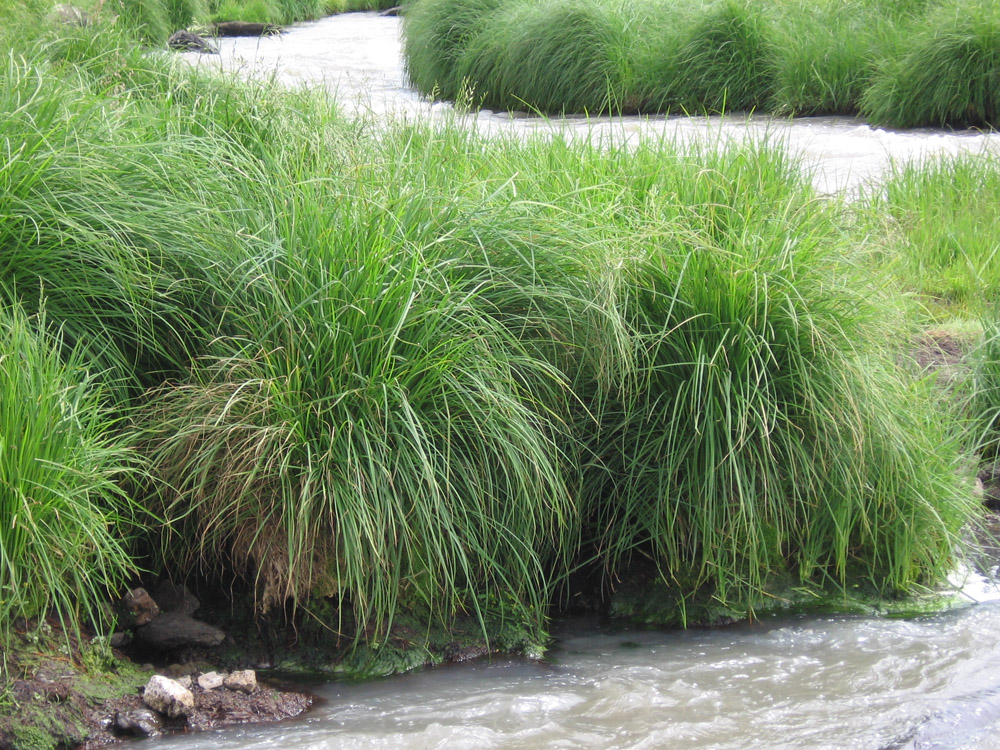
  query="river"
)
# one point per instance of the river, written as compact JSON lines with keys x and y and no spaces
{"x":357,"y":57}
{"x":810,"y":682}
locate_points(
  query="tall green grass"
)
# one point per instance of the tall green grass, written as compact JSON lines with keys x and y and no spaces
{"x":756,"y":427}
{"x":944,"y":229}
{"x":551,"y":57}
{"x":720,"y":62}
{"x":435,"y":36}
{"x":376,"y":434}
{"x":410,"y":365}
{"x":825,"y":54}
{"x":150,"y":20}
{"x":985,"y":401}
{"x":119,"y":240}
{"x":61,"y":471}
{"x":271,"y":11}
{"x":945,"y":71}
{"x":902,"y":63}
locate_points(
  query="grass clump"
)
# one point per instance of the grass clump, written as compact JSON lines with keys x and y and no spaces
{"x":903,"y":64}
{"x":376,"y":433}
{"x":551,"y":57}
{"x":825,"y":54}
{"x":755,"y":429}
{"x":435,"y":36}
{"x":720,"y":63}
{"x":61,"y":544}
{"x":270,"y":11}
{"x":115,"y":241}
{"x":150,"y":20}
{"x":945,"y":74}
{"x":943,"y":231}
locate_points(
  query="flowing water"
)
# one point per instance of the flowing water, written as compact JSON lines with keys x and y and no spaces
{"x":810,"y":682}
{"x":357,"y":57}
{"x":813,"y":683}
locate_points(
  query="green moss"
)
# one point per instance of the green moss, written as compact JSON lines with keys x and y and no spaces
{"x":642,"y":599}
{"x":32,"y":738}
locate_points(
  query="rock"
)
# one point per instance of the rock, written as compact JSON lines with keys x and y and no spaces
{"x":176,"y":598}
{"x":139,"y":721}
{"x":175,"y":630}
{"x":119,"y":640}
{"x":168,"y":697}
{"x":185,"y":681}
{"x":176,"y":671}
{"x":245,"y":28}
{"x":210,"y":681}
{"x":138,"y":608}
{"x":244,"y":680}
{"x":70,"y":15}
{"x":187,"y":41}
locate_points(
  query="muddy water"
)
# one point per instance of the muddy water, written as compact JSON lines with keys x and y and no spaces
{"x":810,"y":683}
{"x":357,"y":57}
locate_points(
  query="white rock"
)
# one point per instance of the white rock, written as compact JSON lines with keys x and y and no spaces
{"x":210,"y":681}
{"x":168,"y":696}
{"x":244,"y":680}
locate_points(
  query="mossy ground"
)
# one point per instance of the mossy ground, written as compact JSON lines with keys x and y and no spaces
{"x":54,"y":686}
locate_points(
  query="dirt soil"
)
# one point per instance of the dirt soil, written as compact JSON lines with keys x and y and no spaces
{"x":63,"y":692}
{"x":212,"y":709}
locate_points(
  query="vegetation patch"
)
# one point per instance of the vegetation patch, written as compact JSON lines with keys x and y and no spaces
{"x":407,"y":383}
{"x":903,"y":64}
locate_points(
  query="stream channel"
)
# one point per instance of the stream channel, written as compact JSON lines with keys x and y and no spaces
{"x":810,"y":682}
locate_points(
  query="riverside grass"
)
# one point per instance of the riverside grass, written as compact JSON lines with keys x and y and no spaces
{"x":940,"y":229}
{"x":899,"y":63}
{"x":945,"y":74}
{"x":64,"y":539}
{"x":985,"y":400}
{"x":408,"y":364}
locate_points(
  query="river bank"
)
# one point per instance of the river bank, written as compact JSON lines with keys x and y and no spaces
{"x":391,"y":392}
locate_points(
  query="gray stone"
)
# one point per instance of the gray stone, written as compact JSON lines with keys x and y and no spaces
{"x":175,"y":630}
{"x":139,"y":721}
{"x":245,"y":28}
{"x":210,"y":681}
{"x":244,"y":680}
{"x":174,"y":597}
{"x":188,"y":41}
{"x":70,"y":15}
{"x":168,"y":697}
